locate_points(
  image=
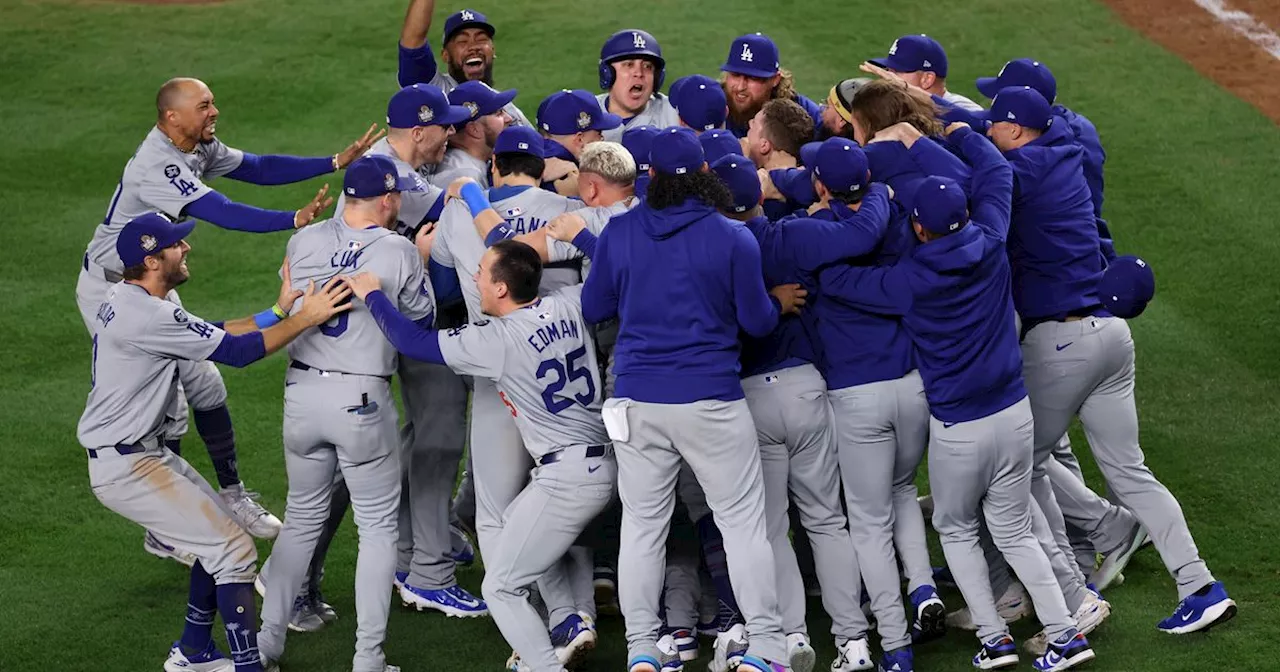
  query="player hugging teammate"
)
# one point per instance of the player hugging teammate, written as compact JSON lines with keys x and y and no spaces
{"x":659,"y":323}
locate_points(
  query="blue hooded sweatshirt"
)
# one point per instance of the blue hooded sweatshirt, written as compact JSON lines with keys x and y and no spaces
{"x":682,"y":281}
{"x":793,"y":251}
{"x":1086,"y":135}
{"x":1053,"y":240}
{"x":954,"y":296}
{"x":904,"y":169}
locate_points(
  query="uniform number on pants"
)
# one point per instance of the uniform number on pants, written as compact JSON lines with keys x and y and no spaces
{"x":554,"y":395}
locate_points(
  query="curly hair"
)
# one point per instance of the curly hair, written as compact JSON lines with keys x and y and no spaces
{"x":883,"y":103}
{"x":666,"y":190}
{"x":787,"y":125}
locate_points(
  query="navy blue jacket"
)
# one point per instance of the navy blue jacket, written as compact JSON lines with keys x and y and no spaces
{"x":682,"y":282}
{"x":903,"y":169}
{"x":954,"y":296}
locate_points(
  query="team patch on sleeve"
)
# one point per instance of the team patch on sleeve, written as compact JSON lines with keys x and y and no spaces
{"x":180,"y":316}
{"x":174,"y":174}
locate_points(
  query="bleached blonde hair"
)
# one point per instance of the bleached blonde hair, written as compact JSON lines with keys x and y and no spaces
{"x":609,"y":160}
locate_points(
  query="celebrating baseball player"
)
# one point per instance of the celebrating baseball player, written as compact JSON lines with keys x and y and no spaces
{"x":166,"y":175}
{"x":471,"y":147}
{"x":921,"y":62}
{"x":700,"y":103}
{"x":139,"y":336}
{"x":753,"y":75}
{"x":631,"y":74}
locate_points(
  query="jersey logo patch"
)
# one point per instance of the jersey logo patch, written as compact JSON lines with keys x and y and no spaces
{"x":472,"y":108}
{"x":480,"y":323}
{"x":171,"y":171}
{"x":514,"y":212}
{"x":180,"y":316}
{"x":184,"y":187}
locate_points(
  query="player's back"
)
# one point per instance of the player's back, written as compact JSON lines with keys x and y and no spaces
{"x":352,"y":341}
{"x":529,"y":209}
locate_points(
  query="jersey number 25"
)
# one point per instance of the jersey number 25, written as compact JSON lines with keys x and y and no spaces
{"x":571,"y":370}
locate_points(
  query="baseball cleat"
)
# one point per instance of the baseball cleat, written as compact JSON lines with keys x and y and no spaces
{"x":931,"y":615}
{"x":644,"y":664}
{"x":1088,"y":617}
{"x":573,"y":639}
{"x":250,"y":515}
{"x":669,"y":654}
{"x":152,"y":544}
{"x":461,"y":551}
{"x":754,"y":664}
{"x":853,"y":655}
{"x":1013,"y":606}
{"x":1115,"y":561}
{"x":997,"y":652}
{"x":1064,"y":653}
{"x":1201,"y":610}
{"x":321,"y":608}
{"x":605,"y":583}
{"x":898,"y":660}
{"x":800,"y":654}
{"x":304,"y":618}
{"x":452,"y":601}
{"x":686,"y":643}
{"x":926,"y":507}
{"x":209,"y":660}
{"x":398,"y":581}
{"x":730,"y":647}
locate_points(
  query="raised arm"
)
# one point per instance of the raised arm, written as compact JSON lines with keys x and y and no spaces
{"x":272,"y":169}
{"x":991,"y":200}
{"x":813,"y":243}
{"x":417,"y":63}
{"x":227,"y":214}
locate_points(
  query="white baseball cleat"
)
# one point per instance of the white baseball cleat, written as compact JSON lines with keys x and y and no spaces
{"x":800,"y":654}
{"x":209,"y":660}
{"x":152,"y":544}
{"x":1092,"y":612}
{"x":1118,"y":559}
{"x":1013,"y":606}
{"x":246,"y":510}
{"x":729,"y":649}
{"x":852,"y":656}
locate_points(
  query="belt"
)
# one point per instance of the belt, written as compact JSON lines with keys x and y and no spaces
{"x":1073,"y":316}
{"x":120,"y":448}
{"x":295,"y":364}
{"x":556,"y":455}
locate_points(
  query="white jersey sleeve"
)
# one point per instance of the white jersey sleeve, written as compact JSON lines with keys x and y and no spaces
{"x":476,"y":349}
{"x":173,"y":333}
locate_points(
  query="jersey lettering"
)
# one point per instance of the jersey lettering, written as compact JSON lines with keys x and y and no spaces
{"x":553,"y":332}
{"x":335,"y":327}
{"x":105,"y":314}
{"x":202,"y":329}
{"x":519,"y":225}
{"x":184,"y":187}
{"x":566,"y":373}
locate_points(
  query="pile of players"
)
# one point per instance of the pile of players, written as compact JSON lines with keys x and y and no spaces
{"x":690,"y":327}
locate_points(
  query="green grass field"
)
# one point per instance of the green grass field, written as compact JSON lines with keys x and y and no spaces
{"x":1191,"y":186}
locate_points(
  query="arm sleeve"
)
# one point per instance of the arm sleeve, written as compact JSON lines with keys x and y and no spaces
{"x":417,"y":66}
{"x":586,"y":241}
{"x":221,"y":159}
{"x":273,"y":169}
{"x":757,"y":310}
{"x":991,"y":199}
{"x":240,"y":351}
{"x":173,"y":333}
{"x":227,"y":214}
{"x":444,"y":280}
{"x":1105,"y":243}
{"x":408,"y":338}
{"x":813,"y":243}
{"x":599,"y":293}
{"x":796,"y":184}
{"x":884,"y":290}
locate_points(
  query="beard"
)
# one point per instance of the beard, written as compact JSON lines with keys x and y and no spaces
{"x":176,"y":276}
{"x":459,"y":75}
{"x":742,"y":118}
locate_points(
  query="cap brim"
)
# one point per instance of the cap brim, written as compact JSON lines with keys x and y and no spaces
{"x":180,"y":231}
{"x":456,"y":114}
{"x":750,"y":72}
{"x":503,"y":99}
{"x":606,"y":122}
{"x":988,"y":86}
{"x":809,"y":154}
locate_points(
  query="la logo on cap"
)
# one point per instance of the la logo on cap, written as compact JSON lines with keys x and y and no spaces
{"x":746,"y":53}
{"x":467,"y":15}
{"x":893,"y":48}
{"x":425,"y":115}
{"x":637,"y":40}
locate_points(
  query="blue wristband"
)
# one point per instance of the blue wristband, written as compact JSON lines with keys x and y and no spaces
{"x":266,"y":319}
{"x":475,"y":198}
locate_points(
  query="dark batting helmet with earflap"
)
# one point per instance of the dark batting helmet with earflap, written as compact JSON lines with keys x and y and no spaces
{"x":626,"y":44}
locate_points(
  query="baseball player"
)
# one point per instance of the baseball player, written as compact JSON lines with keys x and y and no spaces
{"x":471,"y":147}
{"x":703,"y":418}
{"x":773,"y":143}
{"x":637,"y":140}
{"x":954,"y":295}
{"x":700,"y":103}
{"x":339,"y":413}
{"x":467,"y":51}
{"x":1078,"y":358}
{"x":539,"y":353}
{"x":139,"y":336}
{"x":788,"y":399}
{"x":631,"y":74}
{"x":837,"y":117}
{"x":921,"y":62}
{"x":753,"y":75}
{"x":166,"y":174}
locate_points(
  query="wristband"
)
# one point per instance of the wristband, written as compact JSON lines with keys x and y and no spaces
{"x":336,"y":167}
{"x":266,"y":318}
{"x":474,"y":197}
{"x":279,"y":312}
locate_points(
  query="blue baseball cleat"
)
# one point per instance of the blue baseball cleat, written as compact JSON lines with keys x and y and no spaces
{"x":930,"y":615}
{"x":573,"y":639}
{"x":209,"y":660}
{"x":462,"y":551}
{"x":399,"y":580}
{"x":997,"y":652}
{"x":452,"y":601}
{"x":1201,"y":610}
{"x":754,"y":664}
{"x":1065,"y":652}
{"x":898,"y":660}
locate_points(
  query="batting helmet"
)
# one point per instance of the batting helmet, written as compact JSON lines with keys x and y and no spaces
{"x":630,"y":44}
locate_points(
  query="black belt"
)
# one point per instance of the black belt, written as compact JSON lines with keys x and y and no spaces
{"x":121,"y":448}
{"x":295,"y":364}
{"x":555,"y":455}
{"x":1078,"y":313}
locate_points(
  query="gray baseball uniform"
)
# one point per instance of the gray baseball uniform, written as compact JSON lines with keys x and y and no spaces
{"x":340,"y":414}
{"x":137,"y":344}
{"x":414,"y":205}
{"x":447,"y":83}
{"x":961,"y":102}
{"x":457,"y":163}
{"x":659,"y":113}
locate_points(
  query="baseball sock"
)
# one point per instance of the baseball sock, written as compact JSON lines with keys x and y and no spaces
{"x":718,"y":566}
{"x":202,"y":603}
{"x":174,"y":446}
{"x":214,"y":427}
{"x":239,"y":615}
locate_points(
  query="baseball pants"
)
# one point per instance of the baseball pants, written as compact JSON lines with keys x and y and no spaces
{"x":718,"y":441}
{"x":348,"y":422}
{"x":983,"y":468}
{"x":1086,"y":368}
{"x":794,"y":427}
{"x":537,"y":530}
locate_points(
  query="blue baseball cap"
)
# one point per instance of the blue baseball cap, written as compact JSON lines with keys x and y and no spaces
{"x":480,"y":99}
{"x":467,"y":18}
{"x":941,"y":205}
{"x":149,"y":234}
{"x":567,"y":112}
{"x":1021,"y":105}
{"x":520,"y":140}
{"x":718,"y":143}
{"x":700,"y":101}
{"x":838,"y":162}
{"x":423,"y":105}
{"x":915,"y":53}
{"x":1021,"y":72}
{"x":739,"y":174}
{"x":676,"y":151}
{"x":639,"y":141}
{"x":753,"y":55}
{"x":371,"y":175}
{"x":1127,"y":286}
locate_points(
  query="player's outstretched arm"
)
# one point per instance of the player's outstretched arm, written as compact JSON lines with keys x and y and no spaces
{"x":227,"y":214}
{"x":273,"y":169}
{"x":417,"y":63}
{"x":757,"y":310}
{"x":814,"y":243}
{"x":884,"y":290}
{"x":408,"y":338}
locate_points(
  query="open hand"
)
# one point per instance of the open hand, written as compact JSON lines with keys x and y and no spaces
{"x":565,"y":227}
{"x":455,"y":187}
{"x":791,"y":296}
{"x":424,"y":239}
{"x":357,"y":149}
{"x":287,"y":293}
{"x":308,"y":213}
{"x":319,"y":306}
{"x":362,"y":283}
